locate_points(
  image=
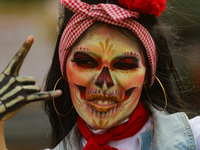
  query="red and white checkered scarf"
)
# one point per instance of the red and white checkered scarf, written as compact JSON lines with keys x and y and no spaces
{"x":85,"y":15}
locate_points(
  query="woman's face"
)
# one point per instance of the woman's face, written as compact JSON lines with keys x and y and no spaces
{"x":105,"y":71}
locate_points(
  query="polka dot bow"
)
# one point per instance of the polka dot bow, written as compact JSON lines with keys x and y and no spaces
{"x":85,"y":15}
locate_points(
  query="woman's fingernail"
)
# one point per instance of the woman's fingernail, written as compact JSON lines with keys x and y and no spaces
{"x":58,"y":92}
{"x":30,"y":39}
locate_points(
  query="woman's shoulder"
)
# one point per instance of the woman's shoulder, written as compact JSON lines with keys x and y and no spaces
{"x":195,"y":125}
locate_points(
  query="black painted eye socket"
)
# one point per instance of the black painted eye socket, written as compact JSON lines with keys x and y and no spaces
{"x":126,"y":63}
{"x":84,"y":60}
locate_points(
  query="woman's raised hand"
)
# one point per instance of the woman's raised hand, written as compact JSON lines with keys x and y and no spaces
{"x":15,"y":90}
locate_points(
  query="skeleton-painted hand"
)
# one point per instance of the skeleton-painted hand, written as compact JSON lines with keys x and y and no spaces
{"x":16,"y":91}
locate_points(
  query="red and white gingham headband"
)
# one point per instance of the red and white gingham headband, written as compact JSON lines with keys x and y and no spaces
{"x":85,"y":15}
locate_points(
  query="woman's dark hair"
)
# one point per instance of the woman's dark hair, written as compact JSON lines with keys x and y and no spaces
{"x":166,"y":72}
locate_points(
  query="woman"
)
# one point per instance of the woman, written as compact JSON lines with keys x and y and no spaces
{"x":90,"y":70}
{"x":114,"y":67}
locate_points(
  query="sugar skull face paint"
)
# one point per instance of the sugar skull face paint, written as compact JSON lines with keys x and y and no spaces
{"x":106,"y":72}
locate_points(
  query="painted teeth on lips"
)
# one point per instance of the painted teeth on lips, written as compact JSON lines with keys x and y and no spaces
{"x":104,"y":102}
{"x":105,"y":98}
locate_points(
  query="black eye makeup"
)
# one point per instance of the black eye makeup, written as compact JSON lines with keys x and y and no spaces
{"x":126,"y":63}
{"x":84,"y":60}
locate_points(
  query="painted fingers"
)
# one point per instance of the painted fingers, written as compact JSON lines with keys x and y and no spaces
{"x":16,"y":91}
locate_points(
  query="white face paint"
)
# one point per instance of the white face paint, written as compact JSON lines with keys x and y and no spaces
{"x":106,"y":72}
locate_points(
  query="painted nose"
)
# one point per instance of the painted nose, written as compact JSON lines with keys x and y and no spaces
{"x":104,"y":77}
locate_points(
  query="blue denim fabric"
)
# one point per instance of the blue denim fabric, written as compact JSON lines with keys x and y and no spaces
{"x":169,"y":132}
{"x":145,"y":139}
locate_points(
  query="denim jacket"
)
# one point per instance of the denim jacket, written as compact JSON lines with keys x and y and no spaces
{"x":168,"y":132}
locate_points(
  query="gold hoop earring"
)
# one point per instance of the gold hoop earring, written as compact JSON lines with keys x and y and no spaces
{"x":54,"y":105}
{"x":164,"y":92}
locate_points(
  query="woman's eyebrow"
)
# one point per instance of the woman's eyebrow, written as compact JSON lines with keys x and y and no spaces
{"x":125,"y":56}
{"x":87,"y":52}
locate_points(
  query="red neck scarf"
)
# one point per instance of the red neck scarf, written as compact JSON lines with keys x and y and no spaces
{"x":98,"y":141}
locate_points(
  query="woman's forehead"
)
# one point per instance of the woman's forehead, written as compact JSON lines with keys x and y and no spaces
{"x":103,"y":46}
{"x":100,"y":31}
{"x":105,"y":35}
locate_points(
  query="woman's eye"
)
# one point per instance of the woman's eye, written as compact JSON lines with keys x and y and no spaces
{"x":126,"y":63}
{"x":84,"y":60}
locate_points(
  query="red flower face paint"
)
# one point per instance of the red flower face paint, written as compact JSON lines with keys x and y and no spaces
{"x":106,"y":73}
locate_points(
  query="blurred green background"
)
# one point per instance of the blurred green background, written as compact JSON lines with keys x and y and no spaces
{"x":30,"y":129}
